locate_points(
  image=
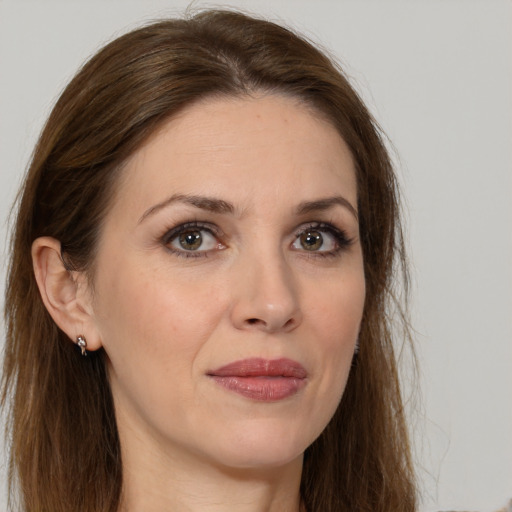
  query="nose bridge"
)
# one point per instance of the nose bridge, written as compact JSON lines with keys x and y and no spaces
{"x":267,"y":294}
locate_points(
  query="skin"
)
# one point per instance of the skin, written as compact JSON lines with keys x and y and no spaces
{"x":251,"y":290}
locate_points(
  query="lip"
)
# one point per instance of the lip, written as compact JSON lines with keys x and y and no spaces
{"x":264,"y":380}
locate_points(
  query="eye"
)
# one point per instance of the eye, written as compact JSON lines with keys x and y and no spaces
{"x":194,"y":240}
{"x":191,"y":238}
{"x":315,"y":240}
{"x":324,"y":239}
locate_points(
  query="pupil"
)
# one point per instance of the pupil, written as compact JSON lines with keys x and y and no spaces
{"x":311,"y":240}
{"x":191,"y":240}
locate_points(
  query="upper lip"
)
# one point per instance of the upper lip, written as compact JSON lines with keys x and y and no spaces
{"x":260,"y":367}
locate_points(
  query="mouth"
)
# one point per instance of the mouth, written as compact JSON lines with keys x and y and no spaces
{"x":264,"y":380}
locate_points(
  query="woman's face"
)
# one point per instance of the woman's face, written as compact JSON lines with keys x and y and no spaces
{"x":229,"y":283}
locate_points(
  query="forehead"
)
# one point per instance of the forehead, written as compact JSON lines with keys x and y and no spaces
{"x":244,"y":150}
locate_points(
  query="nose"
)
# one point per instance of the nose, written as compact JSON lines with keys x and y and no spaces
{"x":266,"y":297}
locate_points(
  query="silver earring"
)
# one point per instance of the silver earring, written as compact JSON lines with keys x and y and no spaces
{"x":80,"y":341}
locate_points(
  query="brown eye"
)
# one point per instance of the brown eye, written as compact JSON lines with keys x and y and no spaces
{"x":320,"y":239}
{"x":311,"y":240}
{"x":190,"y":240}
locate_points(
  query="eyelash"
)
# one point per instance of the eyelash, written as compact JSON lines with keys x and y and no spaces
{"x":342,"y":240}
{"x":183,"y":228}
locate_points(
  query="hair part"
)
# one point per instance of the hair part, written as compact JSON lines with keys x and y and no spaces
{"x":65,"y":452}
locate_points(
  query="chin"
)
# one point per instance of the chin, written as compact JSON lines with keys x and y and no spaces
{"x":263,"y":448}
{"x":261,"y":461}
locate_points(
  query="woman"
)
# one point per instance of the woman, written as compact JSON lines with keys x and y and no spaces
{"x":199,"y":290}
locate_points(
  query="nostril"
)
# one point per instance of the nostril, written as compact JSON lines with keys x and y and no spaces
{"x":289,"y":323}
{"x":258,"y":322}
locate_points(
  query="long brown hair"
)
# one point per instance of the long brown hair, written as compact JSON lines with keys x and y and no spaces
{"x":65,"y":453}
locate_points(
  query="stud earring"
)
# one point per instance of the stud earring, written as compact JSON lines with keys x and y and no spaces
{"x":80,"y":341}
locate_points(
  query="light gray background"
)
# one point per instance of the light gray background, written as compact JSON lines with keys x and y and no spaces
{"x":438,"y":76}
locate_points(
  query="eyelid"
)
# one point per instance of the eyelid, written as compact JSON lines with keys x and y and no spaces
{"x":342,"y":239}
{"x":320,"y":226}
{"x":171,"y":234}
{"x":190,"y":225}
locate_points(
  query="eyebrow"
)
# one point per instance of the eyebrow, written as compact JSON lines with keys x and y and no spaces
{"x":215,"y":205}
{"x":210,"y":204}
{"x":320,"y":205}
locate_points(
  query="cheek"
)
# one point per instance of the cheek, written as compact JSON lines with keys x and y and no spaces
{"x":337,"y":319}
{"x":150,"y":318}
{"x":152,"y":335}
{"x":339,"y":309}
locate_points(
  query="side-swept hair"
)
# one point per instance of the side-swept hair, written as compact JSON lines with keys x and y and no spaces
{"x":65,"y":453}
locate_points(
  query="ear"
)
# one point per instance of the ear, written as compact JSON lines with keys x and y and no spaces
{"x":66,"y":294}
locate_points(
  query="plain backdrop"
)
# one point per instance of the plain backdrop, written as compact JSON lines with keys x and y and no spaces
{"x":438,"y":76}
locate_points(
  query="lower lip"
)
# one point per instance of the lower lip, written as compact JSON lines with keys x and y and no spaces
{"x":264,"y":388}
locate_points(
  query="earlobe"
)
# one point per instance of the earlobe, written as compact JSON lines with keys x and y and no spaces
{"x":64,"y":292}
